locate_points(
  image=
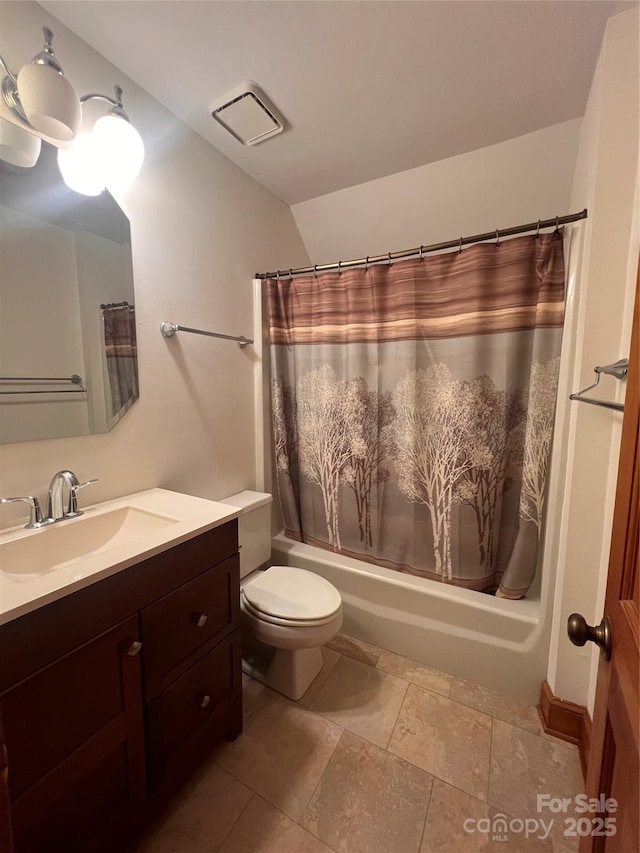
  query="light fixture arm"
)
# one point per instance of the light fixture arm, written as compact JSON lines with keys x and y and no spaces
{"x":8,"y":71}
{"x":46,"y":55}
{"x":116,"y":103}
{"x":11,"y":97}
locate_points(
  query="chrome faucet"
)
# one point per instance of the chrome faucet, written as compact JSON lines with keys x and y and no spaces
{"x":35,"y":516}
{"x":60,"y":481}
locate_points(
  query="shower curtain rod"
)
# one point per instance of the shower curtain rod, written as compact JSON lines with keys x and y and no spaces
{"x":423,"y":250}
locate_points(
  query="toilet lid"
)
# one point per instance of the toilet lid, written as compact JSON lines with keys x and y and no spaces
{"x":290,"y":593}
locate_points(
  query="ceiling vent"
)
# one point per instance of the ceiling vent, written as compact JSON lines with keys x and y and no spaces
{"x":247,"y":114}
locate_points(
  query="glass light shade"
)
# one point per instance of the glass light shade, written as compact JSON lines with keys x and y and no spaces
{"x":121,"y":151}
{"x":18,"y":146}
{"x":80,"y":166}
{"x":50,"y":102}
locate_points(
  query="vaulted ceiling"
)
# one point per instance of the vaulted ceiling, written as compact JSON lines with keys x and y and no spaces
{"x":367,"y":88}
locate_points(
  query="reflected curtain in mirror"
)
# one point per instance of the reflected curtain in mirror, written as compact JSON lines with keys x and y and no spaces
{"x":413,"y":409}
{"x":121,"y":356}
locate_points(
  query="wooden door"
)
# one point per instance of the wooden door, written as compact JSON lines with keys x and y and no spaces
{"x":614,"y":758}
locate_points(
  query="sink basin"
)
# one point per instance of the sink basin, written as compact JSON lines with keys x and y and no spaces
{"x":64,"y":543}
{"x":38,"y":567}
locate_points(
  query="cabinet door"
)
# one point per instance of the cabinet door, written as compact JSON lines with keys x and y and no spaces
{"x":6,"y":841}
{"x":74,"y":738}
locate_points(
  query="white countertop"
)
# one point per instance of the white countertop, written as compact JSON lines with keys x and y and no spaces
{"x":164,"y":518}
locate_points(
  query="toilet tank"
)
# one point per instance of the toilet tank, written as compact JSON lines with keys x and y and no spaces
{"x":254,"y":528}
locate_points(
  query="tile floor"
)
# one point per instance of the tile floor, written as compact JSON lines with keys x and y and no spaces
{"x":381,"y":755}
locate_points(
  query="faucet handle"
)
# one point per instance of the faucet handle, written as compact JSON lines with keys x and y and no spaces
{"x":73,"y":510}
{"x":35,"y":515}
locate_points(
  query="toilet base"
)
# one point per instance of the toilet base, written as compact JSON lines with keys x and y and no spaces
{"x":288,"y":671}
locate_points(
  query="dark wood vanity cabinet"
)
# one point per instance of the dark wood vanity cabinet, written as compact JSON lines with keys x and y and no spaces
{"x":110,"y":695}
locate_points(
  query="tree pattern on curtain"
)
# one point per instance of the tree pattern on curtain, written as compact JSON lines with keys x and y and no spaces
{"x":120,"y":350}
{"x":425,"y":424}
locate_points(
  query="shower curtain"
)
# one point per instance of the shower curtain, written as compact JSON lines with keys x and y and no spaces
{"x":121,"y":356}
{"x":413,"y":407}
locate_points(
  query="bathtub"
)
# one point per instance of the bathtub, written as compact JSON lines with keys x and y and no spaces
{"x":495,"y":642}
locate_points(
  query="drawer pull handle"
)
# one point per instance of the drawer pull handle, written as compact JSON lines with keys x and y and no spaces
{"x":201,"y":621}
{"x":205,"y":701}
{"x":134,"y":648}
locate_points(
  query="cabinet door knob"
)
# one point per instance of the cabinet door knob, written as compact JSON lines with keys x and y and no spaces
{"x":205,"y":701}
{"x":134,"y":648}
{"x":201,"y":620}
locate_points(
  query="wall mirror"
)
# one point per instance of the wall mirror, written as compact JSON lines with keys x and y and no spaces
{"x":68,"y":362}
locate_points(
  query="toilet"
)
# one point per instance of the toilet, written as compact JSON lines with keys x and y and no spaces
{"x":287,"y":613}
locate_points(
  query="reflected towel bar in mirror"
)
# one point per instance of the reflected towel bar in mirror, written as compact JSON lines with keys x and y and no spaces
{"x":619,"y":370}
{"x":169,"y":329}
{"x":39,"y":380}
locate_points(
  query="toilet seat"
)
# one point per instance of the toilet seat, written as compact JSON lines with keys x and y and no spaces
{"x":283,"y":595}
{"x":293,"y":623}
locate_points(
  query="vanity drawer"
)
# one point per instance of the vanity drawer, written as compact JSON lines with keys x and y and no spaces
{"x":191,"y":618}
{"x":196,"y":702}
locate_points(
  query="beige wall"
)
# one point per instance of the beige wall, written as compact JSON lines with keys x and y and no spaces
{"x":200,"y":229}
{"x":606,"y":181}
{"x":517,"y":181}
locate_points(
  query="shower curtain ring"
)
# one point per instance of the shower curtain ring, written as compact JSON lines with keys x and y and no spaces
{"x":421,"y":255}
{"x":339,"y":267}
{"x":497,"y":237}
{"x":557,"y":231}
{"x":315,"y":270}
{"x":366,"y":263}
{"x":290,"y":273}
{"x":389,"y":258}
{"x":538,"y":230}
{"x":460,"y":249}
{"x":277,"y":275}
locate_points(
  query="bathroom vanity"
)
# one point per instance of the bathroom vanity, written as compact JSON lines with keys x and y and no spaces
{"x":112,"y":692}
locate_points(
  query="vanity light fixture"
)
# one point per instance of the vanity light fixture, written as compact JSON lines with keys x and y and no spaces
{"x":110,"y":156}
{"x":41,"y":98}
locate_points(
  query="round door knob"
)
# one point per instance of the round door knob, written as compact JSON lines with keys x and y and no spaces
{"x":580,"y":633}
{"x":204,"y":703}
